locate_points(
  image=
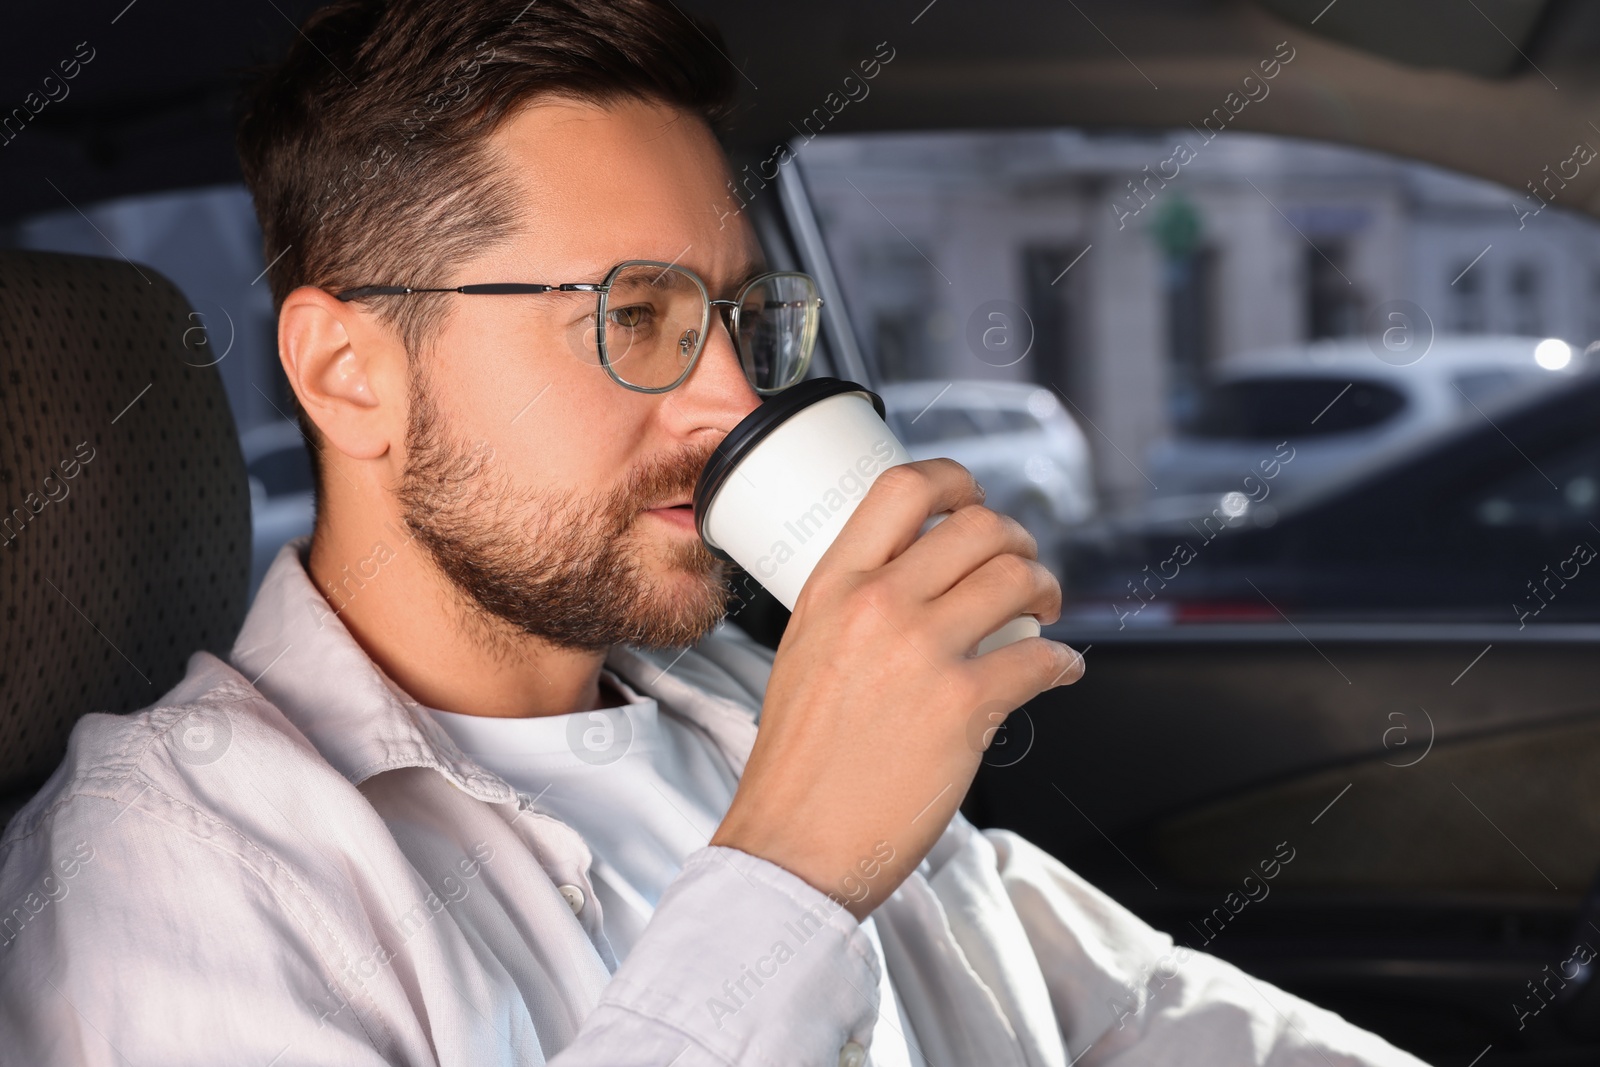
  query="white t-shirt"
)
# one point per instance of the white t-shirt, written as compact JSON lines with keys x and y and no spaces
{"x":644,"y":790}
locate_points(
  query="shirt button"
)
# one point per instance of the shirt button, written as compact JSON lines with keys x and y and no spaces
{"x":574,"y":897}
{"x":852,"y":1055}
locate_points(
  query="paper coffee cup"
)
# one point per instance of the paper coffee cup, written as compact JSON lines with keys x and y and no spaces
{"x":783,"y":482}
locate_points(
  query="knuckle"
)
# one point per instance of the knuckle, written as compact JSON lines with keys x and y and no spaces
{"x":1025,"y":537}
{"x":1043,"y":581}
{"x":813,"y":592}
{"x":1015,"y":570}
{"x":868,"y":598}
{"x":826,"y":587}
{"x":874,"y":586}
{"x":998,"y":528}
{"x":973,"y":488}
{"x":1037,"y":581}
{"x":984,"y":522}
{"x":903,"y":479}
{"x":1016,"y":533}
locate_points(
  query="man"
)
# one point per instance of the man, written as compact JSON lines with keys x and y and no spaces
{"x":481,"y":781}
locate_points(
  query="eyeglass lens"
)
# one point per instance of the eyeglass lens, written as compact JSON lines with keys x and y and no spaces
{"x":656,"y":320}
{"x":778,"y":319}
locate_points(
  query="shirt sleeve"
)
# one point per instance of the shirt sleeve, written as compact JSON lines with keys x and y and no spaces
{"x":742,"y":963}
{"x":1126,"y":994}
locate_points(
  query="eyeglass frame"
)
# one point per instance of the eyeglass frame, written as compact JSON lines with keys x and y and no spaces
{"x":603,"y":288}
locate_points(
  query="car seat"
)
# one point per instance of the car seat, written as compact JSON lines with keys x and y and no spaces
{"x":125,"y":535}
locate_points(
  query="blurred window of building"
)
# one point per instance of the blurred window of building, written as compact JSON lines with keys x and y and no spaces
{"x":1527,"y":299}
{"x":1468,"y":313}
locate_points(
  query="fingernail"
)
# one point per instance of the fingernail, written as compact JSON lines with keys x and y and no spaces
{"x":1074,"y":669}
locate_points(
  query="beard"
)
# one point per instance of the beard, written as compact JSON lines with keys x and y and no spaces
{"x":568,"y":568}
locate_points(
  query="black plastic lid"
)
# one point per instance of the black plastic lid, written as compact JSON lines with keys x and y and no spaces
{"x":753,"y":429}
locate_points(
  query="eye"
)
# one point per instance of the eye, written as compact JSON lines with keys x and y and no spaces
{"x":632,"y":317}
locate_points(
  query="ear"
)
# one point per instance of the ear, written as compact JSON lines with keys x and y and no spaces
{"x":348,"y":372}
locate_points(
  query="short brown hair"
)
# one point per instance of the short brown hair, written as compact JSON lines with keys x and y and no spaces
{"x":362,"y":149}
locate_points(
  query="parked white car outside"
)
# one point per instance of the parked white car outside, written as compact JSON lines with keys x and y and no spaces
{"x":1017,"y":440}
{"x":1339,"y":407}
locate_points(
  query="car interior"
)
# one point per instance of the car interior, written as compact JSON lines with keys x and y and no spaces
{"x":1384,"y":682}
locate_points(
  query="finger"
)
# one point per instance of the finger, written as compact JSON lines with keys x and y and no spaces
{"x":957,"y":546}
{"x":1016,"y":673}
{"x":891,"y":514}
{"x":991,"y":596}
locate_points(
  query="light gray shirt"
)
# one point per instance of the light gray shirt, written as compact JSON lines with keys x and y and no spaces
{"x":286,"y":861}
{"x":645,"y":790}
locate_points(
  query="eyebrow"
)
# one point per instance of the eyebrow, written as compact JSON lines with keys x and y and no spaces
{"x":747,"y":270}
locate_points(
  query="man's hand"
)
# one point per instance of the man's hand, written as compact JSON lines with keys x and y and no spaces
{"x":866,"y":745}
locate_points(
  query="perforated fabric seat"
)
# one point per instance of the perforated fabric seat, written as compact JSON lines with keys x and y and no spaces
{"x":125,"y":539}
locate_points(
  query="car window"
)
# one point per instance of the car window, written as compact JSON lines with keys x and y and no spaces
{"x":1243,"y":334}
{"x":1269,"y":409}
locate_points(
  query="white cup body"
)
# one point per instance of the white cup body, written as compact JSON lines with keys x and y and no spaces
{"x":781,"y":507}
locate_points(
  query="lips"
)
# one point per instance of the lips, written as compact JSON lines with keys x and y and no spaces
{"x":680,"y":515}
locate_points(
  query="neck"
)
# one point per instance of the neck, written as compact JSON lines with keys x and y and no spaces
{"x":416,"y":626}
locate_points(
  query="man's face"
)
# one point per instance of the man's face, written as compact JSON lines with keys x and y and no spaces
{"x":530,"y":474}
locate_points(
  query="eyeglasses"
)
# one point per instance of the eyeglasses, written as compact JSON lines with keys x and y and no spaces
{"x":650,"y":322}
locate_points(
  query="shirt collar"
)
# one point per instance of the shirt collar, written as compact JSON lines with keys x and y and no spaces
{"x":297,"y":652}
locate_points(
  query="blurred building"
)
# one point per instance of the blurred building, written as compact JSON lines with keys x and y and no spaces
{"x":1126,"y":266}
